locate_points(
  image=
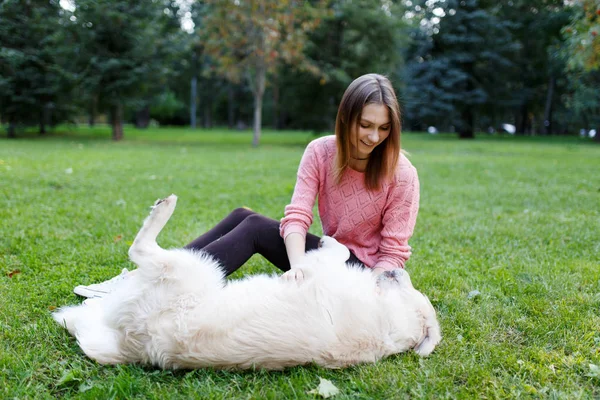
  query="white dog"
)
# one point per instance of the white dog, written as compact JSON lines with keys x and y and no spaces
{"x":177,"y":311}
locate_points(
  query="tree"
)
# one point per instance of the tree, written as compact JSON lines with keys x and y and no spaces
{"x":454,"y":69}
{"x":535,"y":83}
{"x":252,"y":38}
{"x":33,"y":81}
{"x":126,"y":53}
{"x":582,"y":34}
{"x":354,"y":38}
{"x":582,"y":51}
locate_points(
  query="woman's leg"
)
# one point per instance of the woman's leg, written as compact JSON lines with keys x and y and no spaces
{"x":254,"y":234}
{"x":232,"y":241}
{"x":222,"y":228}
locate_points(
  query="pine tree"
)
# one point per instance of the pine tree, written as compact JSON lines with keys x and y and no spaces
{"x":462,"y":55}
{"x":33,"y":81}
{"x":126,"y":53}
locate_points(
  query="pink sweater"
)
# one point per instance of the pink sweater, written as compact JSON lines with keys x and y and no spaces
{"x":375,"y":226}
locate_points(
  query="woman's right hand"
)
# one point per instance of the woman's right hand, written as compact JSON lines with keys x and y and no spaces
{"x":295,"y":244}
{"x":294,"y":274}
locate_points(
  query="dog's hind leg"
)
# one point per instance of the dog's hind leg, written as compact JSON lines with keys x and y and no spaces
{"x":87,"y":323}
{"x":145,"y":244}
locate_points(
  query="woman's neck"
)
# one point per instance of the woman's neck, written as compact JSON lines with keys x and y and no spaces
{"x":357,"y":164}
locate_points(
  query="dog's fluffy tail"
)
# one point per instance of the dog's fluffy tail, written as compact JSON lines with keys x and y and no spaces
{"x":86,"y":323}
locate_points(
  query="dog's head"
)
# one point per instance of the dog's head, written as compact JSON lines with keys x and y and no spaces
{"x":395,"y":290}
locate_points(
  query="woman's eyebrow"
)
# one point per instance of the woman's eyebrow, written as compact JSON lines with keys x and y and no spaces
{"x":369,"y":122}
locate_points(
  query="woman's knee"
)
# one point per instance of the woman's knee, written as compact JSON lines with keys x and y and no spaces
{"x":241,"y":213}
{"x":258,"y":219}
{"x":257,"y":223}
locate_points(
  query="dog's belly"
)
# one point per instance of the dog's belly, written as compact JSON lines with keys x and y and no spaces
{"x":266,"y":324}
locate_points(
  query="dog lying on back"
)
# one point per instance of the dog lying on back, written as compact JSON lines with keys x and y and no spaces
{"x":177,"y":311}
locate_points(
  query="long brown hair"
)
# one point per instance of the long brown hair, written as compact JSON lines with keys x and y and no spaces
{"x":368,"y":89}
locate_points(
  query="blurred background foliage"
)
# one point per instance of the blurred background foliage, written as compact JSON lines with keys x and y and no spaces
{"x":464,"y":66}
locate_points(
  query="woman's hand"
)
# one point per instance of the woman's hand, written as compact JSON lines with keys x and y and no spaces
{"x":294,"y":274}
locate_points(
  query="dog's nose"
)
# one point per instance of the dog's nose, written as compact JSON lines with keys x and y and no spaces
{"x":396,"y":275}
{"x":390,"y":275}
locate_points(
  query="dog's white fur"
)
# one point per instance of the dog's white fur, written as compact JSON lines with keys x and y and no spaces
{"x":178,"y":312}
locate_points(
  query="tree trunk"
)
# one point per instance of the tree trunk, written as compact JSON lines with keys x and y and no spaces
{"x":259,"y":91}
{"x":142,"y":117}
{"x":276,"y":113}
{"x":230,"y":106}
{"x":207,"y":120}
{"x":93,"y":111}
{"x":465,"y":130}
{"x":116,"y":121}
{"x":11,"y":130}
{"x":547,"y":125}
{"x":522,"y":127}
{"x":259,"y":82}
{"x":43,"y":114}
{"x":193,"y":93}
{"x":330,"y":122}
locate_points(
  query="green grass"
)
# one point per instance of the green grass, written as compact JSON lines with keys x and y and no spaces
{"x":517,"y":220}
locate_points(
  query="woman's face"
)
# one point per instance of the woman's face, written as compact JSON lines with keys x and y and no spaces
{"x":371,"y":130}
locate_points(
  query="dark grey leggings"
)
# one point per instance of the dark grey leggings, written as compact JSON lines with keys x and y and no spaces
{"x":244,"y":233}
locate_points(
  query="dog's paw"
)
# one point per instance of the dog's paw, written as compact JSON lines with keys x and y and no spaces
{"x":168,"y":203}
{"x":165,"y":202}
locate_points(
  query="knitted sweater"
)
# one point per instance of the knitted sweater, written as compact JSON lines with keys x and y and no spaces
{"x":375,"y":226}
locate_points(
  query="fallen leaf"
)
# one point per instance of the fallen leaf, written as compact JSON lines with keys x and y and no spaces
{"x":594,"y":371}
{"x":13,"y":273}
{"x":325,"y":389}
{"x":84,"y":387}
{"x":51,"y":308}
{"x":68,"y":377}
{"x":118,"y":238}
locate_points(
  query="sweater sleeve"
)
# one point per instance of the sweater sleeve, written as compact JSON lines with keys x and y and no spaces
{"x":399,"y":222}
{"x":298,"y":215}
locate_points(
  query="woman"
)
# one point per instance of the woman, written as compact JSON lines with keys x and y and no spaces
{"x":368,"y":195}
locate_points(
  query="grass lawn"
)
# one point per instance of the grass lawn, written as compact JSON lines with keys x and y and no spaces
{"x":507,"y":247}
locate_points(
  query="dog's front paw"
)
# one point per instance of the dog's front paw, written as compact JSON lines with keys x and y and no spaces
{"x":166,"y":205}
{"x":166,"y":201}
{"x":163,"y":208}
